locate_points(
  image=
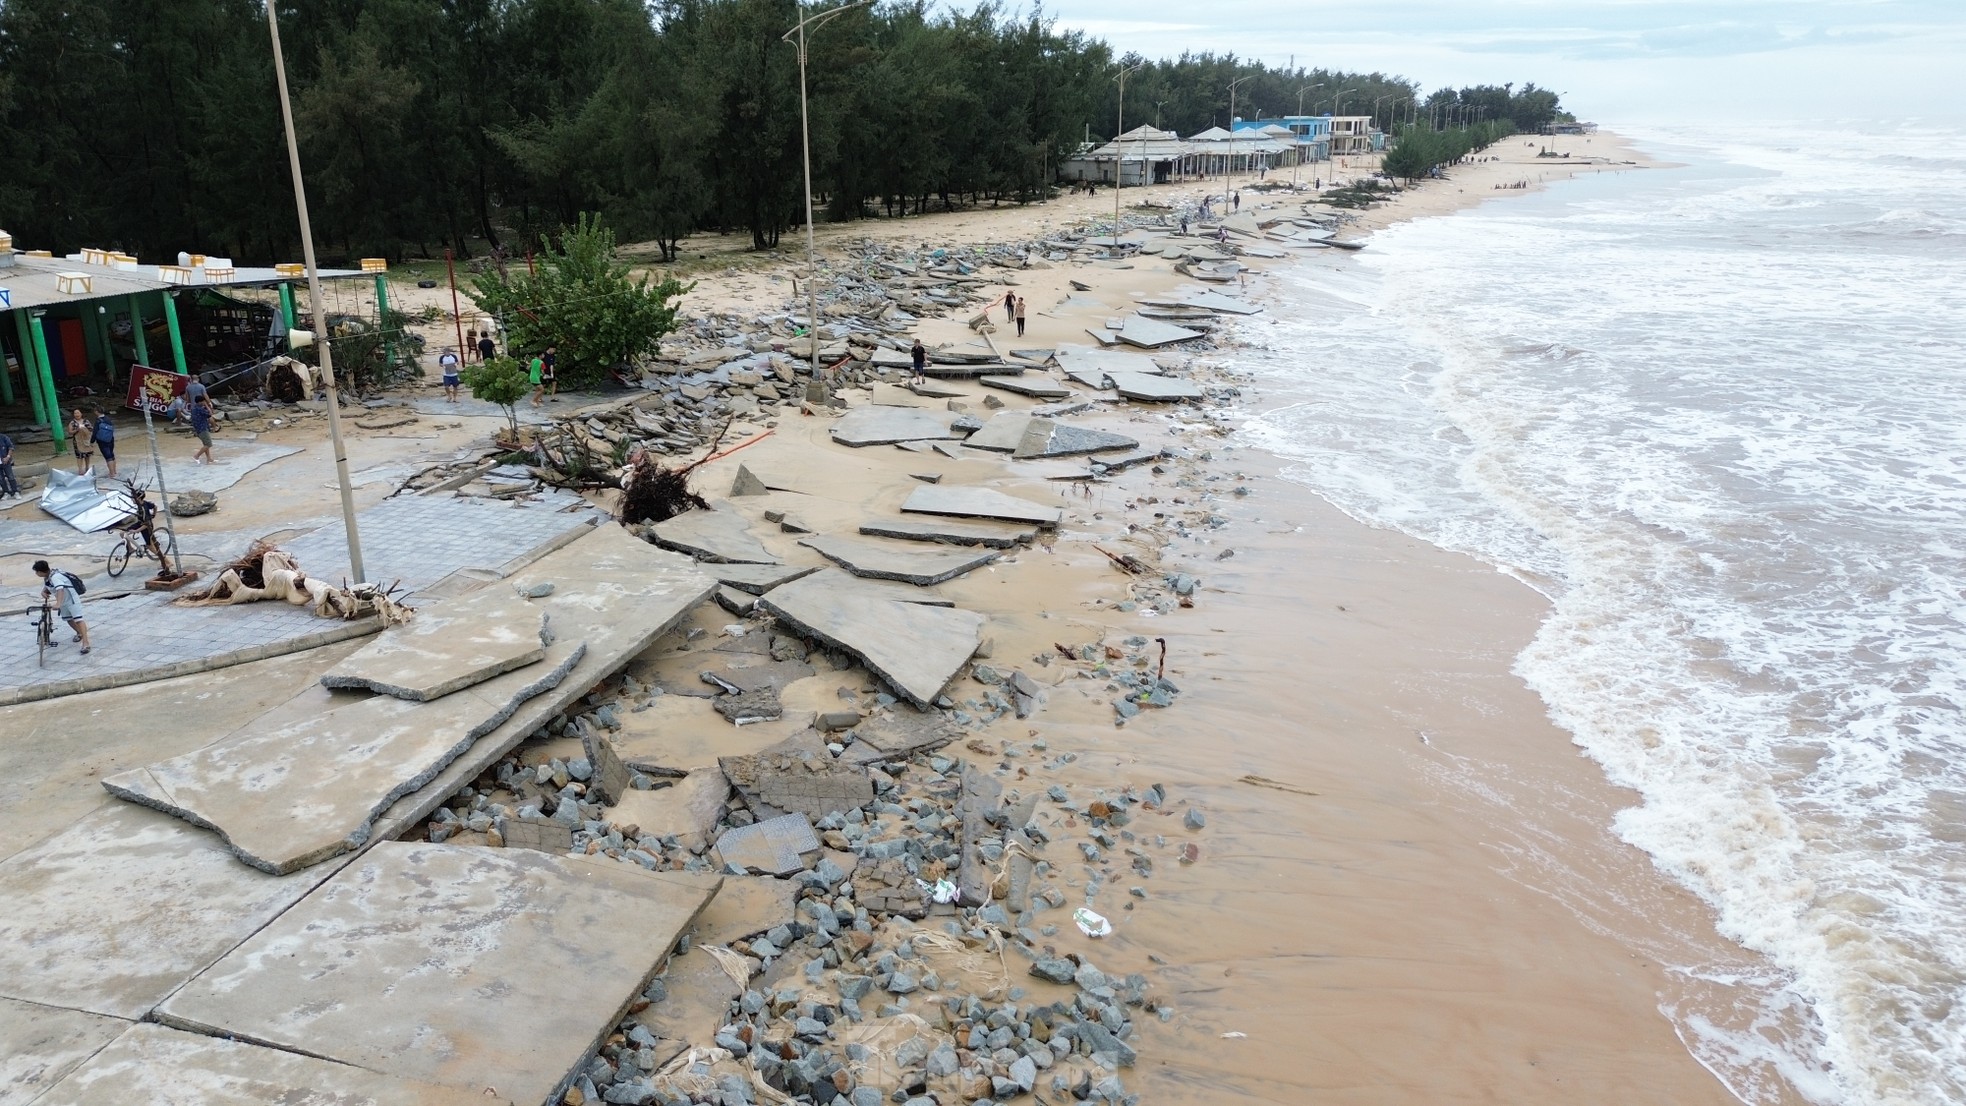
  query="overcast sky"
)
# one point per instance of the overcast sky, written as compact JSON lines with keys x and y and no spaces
{"x":1620,"y":61}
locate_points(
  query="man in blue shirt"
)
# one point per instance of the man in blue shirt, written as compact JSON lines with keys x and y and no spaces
{"x":201,"y":425}
{"x":104,"y":435}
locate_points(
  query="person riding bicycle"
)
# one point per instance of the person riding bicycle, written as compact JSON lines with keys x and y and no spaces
{"x":143,"y":521}
{"x":60,"y":587}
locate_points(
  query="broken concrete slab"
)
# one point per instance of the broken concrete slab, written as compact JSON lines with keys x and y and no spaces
{"x":1152,"y":333}
{"x":1213,"y":301}
{"x":42,"y":1044}
{"x":167,"y":1067}
{"x":447,"y":647}
{"x":898,"y":734}
{"x":909,"y":564}
{"x":292,"y":796}
{"x":747,"y":483}
{"x":865,"y":426}
{"x":614,"y":591}
{"x":1116,"y":462}
{"x":931,"y":390}
{"x":951,"y":533}
{"x":1049,"y":438}
{"x":773,"y":847}
{"x":979,"y":503}
{"x":1153,"y":388}
{"x":888,"y":887}
{"x":370,"y":970}
{"x":543,"y":834}
{"x":736,"y":602}
{"x":1003,"y":433}
{"x":686,"y":810}
{"x":917,"y":649}
{"x":747,"y":708}
{"x":744,"y":907}
{"x":894,"y":591}
{"x":164,"y":900}
{"x":1035,"y":387}
{"x":757,"y":579}
{"x":979,"y":805}
{"x":675,"y":734}
{"x":611,"y":779}
{"x":720,"y":536}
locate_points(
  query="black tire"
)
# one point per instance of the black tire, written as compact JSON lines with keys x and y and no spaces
{"x":119,"y":558}
{"x":44,"y":637}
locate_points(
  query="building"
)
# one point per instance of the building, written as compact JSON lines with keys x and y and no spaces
{"x":84,"y":319}
{"x":1218,"y":151}
{"x":1351,"y":134}
{"x":1143,"y":155}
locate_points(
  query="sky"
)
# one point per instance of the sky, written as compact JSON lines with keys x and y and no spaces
{"x":1617,"y":61}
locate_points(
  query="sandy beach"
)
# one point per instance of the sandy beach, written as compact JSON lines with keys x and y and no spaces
{"x":1406,"y":890}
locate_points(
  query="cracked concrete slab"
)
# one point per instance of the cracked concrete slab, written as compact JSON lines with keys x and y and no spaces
{"x":865,"y":426}
{"x":123,"y":907}
{"x":450,"y":964}
{"x":292,"y":796}
{"x":448,"y":647}
{"x":1152,"y":333}
{"x":757,"y":579}
{"x":774,"y":847}
{"x":686,"y":810}
{"x":160,"y":1066}
{"x":1048,"y":438}
{"x":1153,"y":388}
{"x":917,"y":649}
{"x":941,"y":499}
{"x":713,"y":535}
{"x":676,"y":734}
{"x":951,"y":533}
{"x":44,"y":1043}
{"x":914,"y":564}
{"x":1035,"y":387}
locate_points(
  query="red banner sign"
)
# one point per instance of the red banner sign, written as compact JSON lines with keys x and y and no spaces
{"x":154,"y":389}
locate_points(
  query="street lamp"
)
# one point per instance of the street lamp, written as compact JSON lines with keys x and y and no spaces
{"x":816,"y":20}
{"x":1229,"y":176}
{"x":1119,"y":164}
{"x":1300,"y":149}
{"x":315,"y":304}
{"x":1331,"y":148}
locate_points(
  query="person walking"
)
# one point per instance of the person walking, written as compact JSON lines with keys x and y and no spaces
{"x":920,"y":357}
{"x":103,"y":434}
{"x":79,"y":433}
{"x":9,"y":487}
{"x":201,"y":428}
{"x":1020,"y":316}
{"x":1236,"y":198}
{"x":536,"y":374}
{"x":487,"y":349}
{"x":447,"y":364}
{"x":62,"y":589}
{"x":1009,"y":306}
{"x":550,"y":372}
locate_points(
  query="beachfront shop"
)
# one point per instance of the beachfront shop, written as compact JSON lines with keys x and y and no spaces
{"x":71,"y":327}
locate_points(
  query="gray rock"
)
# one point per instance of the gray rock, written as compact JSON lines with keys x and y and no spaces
{"x":1024,"y":1072}
{"x":942,"y":1061}
{"x":1194,"y":819}
{"x":902,"y":983}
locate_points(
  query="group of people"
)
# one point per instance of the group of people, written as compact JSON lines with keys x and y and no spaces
{"x":88,"y":431}
{"x":1013,"y":310}
{"x":542,"y":372}
{"x":193,"y":409}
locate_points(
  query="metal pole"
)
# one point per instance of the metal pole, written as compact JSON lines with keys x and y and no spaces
{"x":1119,"y":161}
{"x":315,"y":304}
{"x":457,"y":323}
{"x":816,"y":20}
{"x":171,"y":571}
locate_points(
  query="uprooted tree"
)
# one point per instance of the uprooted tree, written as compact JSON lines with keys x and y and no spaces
{"x":583,"y":300}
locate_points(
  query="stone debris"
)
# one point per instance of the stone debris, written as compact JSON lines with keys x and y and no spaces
{"x":979,"y":503}
{"x":907,"y":563}
{"x":609,"y":778}
{"x":747,"y":484}
{"x":193,"y":503}
{"x":686,"y":810}
{"x":990,"y":536}
{"x":775,"y":846}
{"x":718,"y":536}
{"x":800,"y":777}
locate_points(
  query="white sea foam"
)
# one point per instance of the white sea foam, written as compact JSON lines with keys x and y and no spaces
{"x":1718,"y":415}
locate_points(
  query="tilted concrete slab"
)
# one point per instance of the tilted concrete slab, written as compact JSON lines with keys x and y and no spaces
{"x":1153,"y":388}
{"x":447,"y":647}
{"x":1212,"y":301}
{"x":941,"y":499}
{"x":757,"y":579}
{"x":1049,"y":438}
{"x":908,"y":564}
{"x":291,"y":796}
{"x":1036,"y":387}
{"x":39,"y":1045}
{"x":917,"y":649}
{"x":865,"y":426}
{"x":721,"y":536}
{"x":611,"y":590}
{"x":1152,"y":333}
{"x":451,"y":964}
{"x":159,"y":1066}
{"x":126,"y":905}
{"x":1003,"y":433}
{"x":951,"y":533}
{"x":1089,"y":366}
{"x":776,"y":846}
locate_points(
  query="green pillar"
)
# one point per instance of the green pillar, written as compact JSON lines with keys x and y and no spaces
{"x":48,"y":382}
{"x":287,"y":303}
{"x":177,"y":336}
{"x":382,"y":318}
{"x":27,"y":370}
{"x":99,"y":319}
{"x":136,"y":329}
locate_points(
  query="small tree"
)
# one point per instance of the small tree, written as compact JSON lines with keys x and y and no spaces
{"x":583,"y":301}
{"x":503,"y":381}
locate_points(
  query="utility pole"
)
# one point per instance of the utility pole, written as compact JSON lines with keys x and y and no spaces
{"x":815,"y":20}
{"x":1230,"y":175}
{"x":315,"y":304}
{"x":1119,"y":164}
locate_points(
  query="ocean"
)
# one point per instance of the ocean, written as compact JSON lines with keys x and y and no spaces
{"x":1717,"y":415}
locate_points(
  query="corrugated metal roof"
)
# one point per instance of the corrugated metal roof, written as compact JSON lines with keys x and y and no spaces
{"x":35,"y":281}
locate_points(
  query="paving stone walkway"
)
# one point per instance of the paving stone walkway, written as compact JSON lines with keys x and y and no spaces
{"x":417,"y":541}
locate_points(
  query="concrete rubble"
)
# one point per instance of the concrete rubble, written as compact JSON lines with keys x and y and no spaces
{"x":979,"y":503}
{"x":718,"y":536}
{"x":908,"y":563}
{"x":916,"y":649}
{"x":873,"y":425}
{"x":991,"y":536}
{"x":448,"y":647}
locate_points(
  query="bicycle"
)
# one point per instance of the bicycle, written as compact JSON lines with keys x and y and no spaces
{"x":44,"y":630}
{"x":133,"y":543}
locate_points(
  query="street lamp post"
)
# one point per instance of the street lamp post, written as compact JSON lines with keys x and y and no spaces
{"x":1119,"y":162}
{"x":1331,"y":148}
{"x":1300,"y":150}
{"x":815,"y":21}
{"x":316,"y":305}
{"x":1229,"y":176}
